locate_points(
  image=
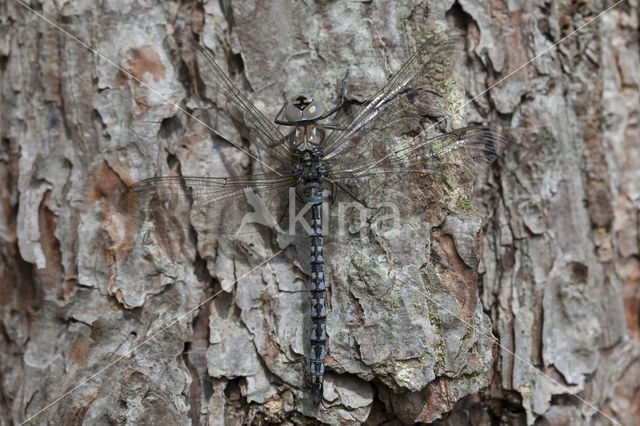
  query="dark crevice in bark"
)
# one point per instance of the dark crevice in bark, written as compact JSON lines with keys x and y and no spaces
{"x":460,"y":19}
{"x":195,"y":355}
{"x":171,"y":127}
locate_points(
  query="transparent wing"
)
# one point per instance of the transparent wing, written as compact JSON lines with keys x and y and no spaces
{"x":228,"y":205}
{"x":476,"y":146}
{"x":218,"y":88}
{"x":420,"y":88}
{"x":410,"y":165}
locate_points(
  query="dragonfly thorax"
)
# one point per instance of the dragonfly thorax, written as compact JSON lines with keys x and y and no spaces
{"x":310,"y":172}
{"x":306,"y":137}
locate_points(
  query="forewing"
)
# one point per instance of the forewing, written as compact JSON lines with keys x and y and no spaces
{"x":420,"y":88}
{"x":220,"y":89}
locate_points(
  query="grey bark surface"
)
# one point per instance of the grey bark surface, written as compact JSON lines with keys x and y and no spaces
{"x":441,"y":321}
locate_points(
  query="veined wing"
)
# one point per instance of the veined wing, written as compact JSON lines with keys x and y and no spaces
{"x":204,"y":189}
{"x":219,"y":89}
{"x":228,"y":205}
{"x":418,"y":89}
{"x":475,"y":146}
{"x":455,"y":157}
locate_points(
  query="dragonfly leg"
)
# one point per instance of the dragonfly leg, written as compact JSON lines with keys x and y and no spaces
{"x":337,"y":107}
{"x":279,"y":142}
{"x":330,"y":126}
{"x":332,"y":193}
{"x":277,"y":119}
{"x":351,"y":195}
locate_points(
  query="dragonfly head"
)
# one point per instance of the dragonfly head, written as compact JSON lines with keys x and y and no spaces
{"x":303,"y":108}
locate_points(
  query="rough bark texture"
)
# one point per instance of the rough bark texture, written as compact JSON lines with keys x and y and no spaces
{"x":410,"y":320}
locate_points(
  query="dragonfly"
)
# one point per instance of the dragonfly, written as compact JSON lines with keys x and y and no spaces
{"x":314,"y":155}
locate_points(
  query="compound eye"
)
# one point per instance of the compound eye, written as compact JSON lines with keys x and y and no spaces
{"x":313,"y":111}
{"x":292,"y":112}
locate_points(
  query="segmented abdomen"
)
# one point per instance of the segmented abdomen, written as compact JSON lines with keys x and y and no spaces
{"x":318,"y":308}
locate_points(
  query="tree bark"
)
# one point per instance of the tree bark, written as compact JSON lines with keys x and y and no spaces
{"x":535,"y":320}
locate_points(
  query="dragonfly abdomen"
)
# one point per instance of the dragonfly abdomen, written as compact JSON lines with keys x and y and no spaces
{"x":318,"y":308}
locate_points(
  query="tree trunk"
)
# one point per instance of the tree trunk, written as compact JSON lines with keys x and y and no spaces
{"x":537,"y":320}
